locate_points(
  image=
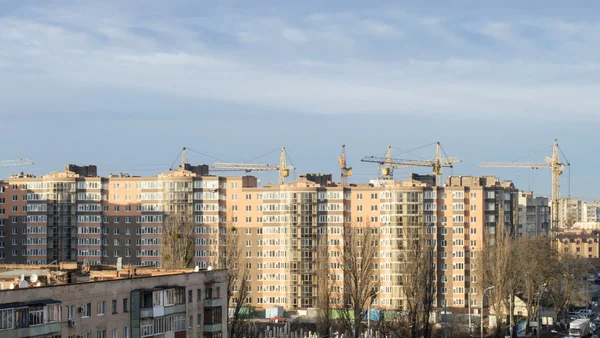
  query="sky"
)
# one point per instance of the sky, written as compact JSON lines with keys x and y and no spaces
{"x":126,"y":84}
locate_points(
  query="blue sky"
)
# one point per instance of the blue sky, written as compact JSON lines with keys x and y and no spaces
{"x":126,"y":84}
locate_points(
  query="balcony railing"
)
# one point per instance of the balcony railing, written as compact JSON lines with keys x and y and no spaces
{"x":214,"y":328}
{"x":215,"y":302}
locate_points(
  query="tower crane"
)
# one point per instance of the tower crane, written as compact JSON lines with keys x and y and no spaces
{"x":557,"y":167}
{"x":15,"y":163}
{"x":345,"y":172}
{"x":387,"y":164}
{"x":282,"y":167}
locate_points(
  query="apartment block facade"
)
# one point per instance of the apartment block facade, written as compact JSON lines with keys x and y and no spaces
{"x":534,"y":215}
{"x":173,"y":305}
{"x":76,"y":215}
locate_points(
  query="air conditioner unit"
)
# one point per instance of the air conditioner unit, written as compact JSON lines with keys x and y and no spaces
{"x":80,"y":309}
{"x":71,"y":322}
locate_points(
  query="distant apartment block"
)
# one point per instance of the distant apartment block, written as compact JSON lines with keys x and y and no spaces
{"x":580,"y":243}
{"x":534,"y":215}
{"x":75,"y":215}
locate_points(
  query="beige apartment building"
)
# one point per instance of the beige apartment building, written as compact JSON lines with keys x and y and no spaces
{"x":580,"y":243}
{"x":161,"y":304}
{"x":75,"y":215}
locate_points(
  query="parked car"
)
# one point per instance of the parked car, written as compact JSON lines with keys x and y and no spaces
{"x":277,"y":320}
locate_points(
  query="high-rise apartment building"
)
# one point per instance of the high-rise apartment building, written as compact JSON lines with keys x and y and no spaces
{"x":77,"y":215}
{"x":534,"y":215}
{"x":592,"y":212}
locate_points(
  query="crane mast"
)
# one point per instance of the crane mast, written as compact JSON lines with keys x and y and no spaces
{"x":345,"y":172}
{"x":554,"y":163}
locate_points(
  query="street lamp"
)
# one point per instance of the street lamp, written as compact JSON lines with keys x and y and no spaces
{"x":482,"y":299}
{"x":539,"y":319}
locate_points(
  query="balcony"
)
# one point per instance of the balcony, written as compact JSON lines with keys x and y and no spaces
{"x":146,"y":313}
{"x":214,"y":328}
{"x":39,"y":330}
{"x":215,"y":302}
{"x":171,"y":309}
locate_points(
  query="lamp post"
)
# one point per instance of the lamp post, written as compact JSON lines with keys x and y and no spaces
{"x":539,"y":319}
{"x":482,"y":299}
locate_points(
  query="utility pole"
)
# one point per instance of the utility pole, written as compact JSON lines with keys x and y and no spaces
{"x":482,"y":299}
{"x":511,"y":313}
{"x":539,"y":317}
{"x":445,"y":318}
{"x":469,"y":300}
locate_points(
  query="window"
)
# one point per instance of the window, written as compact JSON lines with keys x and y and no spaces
{"x":175,"y":296}
{"x":7,"y":319}
{"x":115,"y":333}
{"x":86,"y":310}
{"x":126,"y":332}
{"x":190,"y":296}
{"x":101,"y":308}
{"x":147,"y":330}
{"x":199,"y":295}
{"x":213,"y":316}
{"x":101,"y":334}
{"x":114,"y":306}
{"x":70,"y":311}
{"x":125,"y":306}
{"x":198,"y":321}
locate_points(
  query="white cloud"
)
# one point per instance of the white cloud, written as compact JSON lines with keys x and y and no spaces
{"x":294,"y":35}
{"x":333,"y":72}
{"x":499,"y":31}
{"x":381,"y":29}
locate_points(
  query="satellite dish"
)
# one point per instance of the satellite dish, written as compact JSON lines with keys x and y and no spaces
{"x":33,"y":278}
{"x":23,"y":284}
{"x":11,"y":286}
{"x":197,"y":268}
{"x":209,"y":268}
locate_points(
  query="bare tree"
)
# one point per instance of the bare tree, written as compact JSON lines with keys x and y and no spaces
{"x":361,"y":281}
{"x":395,"y":325}
{"x":177,"y":249}
{"x":237,"y":279}
{"x":567,"y":284}
{"x":497,"y":268}
{"x":324,"y":289}
{"x":536,"y":266}
{"x":418,"y":280}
